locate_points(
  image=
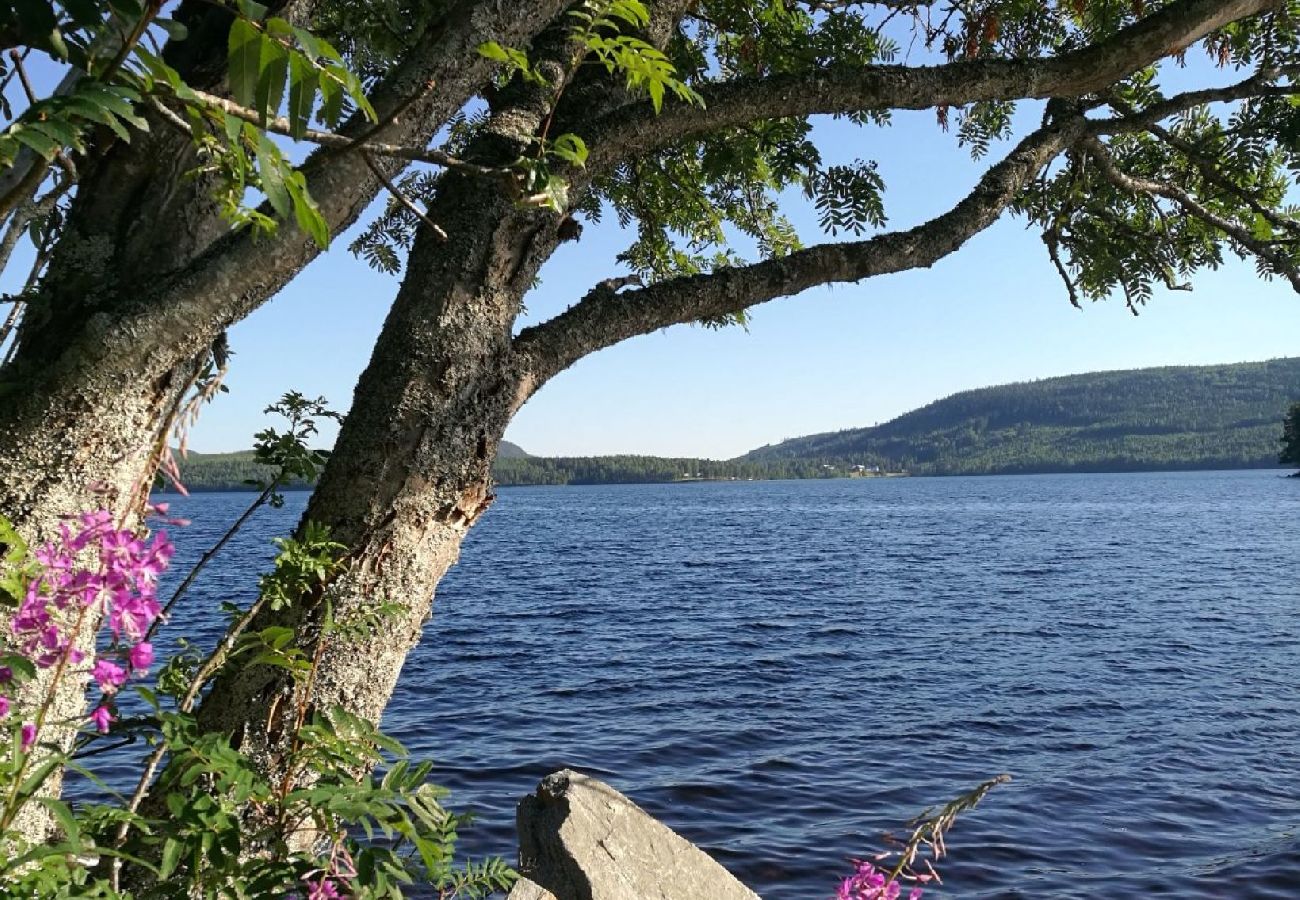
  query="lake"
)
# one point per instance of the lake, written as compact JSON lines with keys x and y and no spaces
{"x":781,"y":671}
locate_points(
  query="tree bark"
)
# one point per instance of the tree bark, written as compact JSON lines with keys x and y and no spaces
{"x":411,"y":470}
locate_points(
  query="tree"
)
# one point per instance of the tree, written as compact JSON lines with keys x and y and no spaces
{"x":687,"y":119}
{"x":1290,"y":454}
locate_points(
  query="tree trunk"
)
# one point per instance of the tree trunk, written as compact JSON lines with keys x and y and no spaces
{"x":411,"y":469}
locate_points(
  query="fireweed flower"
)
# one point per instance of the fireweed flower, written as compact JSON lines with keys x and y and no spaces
{"x":871,"y":883}
{"x":102,"y":718}
{"x":4,"y":706}
{"x":322,"y":888}
{"x":28,"y":735}
{"x":108,"y":675}
{"x":140,"y":656}
{"x":93,"y":572}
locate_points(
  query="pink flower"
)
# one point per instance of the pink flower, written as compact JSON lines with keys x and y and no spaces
{"x":4,"y":706}
{"x":141,"y":656}
{"x":102,"y":717}
{"x":6,"y":674}
{"x":28,"y":736}
{"x":132,"y":614}
{"x":870,"y":883}
{"x":322,"y":888}
{"x":108,"y":675}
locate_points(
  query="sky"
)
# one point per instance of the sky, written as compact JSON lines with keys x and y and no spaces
{"x":832,"y":358}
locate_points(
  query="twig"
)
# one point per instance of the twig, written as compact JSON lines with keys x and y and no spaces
{"x":281,"y":125}
{"x":1191,"y":206}
{"x":400,"y":197}
{"x":1052,"y":238}
{"x":209,"y":555}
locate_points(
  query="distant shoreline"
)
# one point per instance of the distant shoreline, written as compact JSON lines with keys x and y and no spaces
{"x":1114,"y":470}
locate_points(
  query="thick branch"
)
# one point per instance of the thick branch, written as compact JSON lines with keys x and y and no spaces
{"x":605,"y":317}
{"x":635,"y":130}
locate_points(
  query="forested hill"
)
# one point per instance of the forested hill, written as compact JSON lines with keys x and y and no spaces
{"x":234,"y":471}
{"x":1171,"y":418}
{"x":1185,"y":417}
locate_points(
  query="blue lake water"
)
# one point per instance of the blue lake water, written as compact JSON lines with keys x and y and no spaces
{"x":781,"y":671}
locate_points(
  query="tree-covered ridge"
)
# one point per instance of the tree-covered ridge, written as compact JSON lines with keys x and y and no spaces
{"x":238,"y":470}
{"x":650,"y":470}
{"x":1181,"y":417}
{"x":234,"y":471}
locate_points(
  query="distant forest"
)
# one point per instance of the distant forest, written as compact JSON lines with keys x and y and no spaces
{"x":232,"y":471}
{"x":1185,"y":417}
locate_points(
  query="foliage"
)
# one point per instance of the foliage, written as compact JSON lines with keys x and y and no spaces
{"x":286,"y":453}
{"x":1290,"y":454}
{"x":221,"y":826}
{"x":877,"y":879}
{"x":1167,"y":418}
{"x":265,"y":54}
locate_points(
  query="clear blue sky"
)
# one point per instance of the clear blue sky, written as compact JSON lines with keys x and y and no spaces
{"x":831,"y":358}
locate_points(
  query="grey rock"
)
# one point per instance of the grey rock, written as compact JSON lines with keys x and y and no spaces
{"x":582,"y":840}
{"x":529,"y":890}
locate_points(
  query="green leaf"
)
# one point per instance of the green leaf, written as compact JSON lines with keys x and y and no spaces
{"x":307,"y":212}
{"x":571,"y":148}
{"x":175,"y":30}
{"x":493,"y":51}
{"x":21,"y":667}
{"x":332,"y":101}
{"x":42,"y":143}
{"x":244,"y":60}
{"x":270,"y":84}
{"x":83,"y":12}
{"x":116,"y":99}
{"x":277,"y":637}
{"x":63,"y":815}
{"x":253,"y":10}
{"x":1261,"y":228}
{"x":303,"y":79}
{"x":61,"y":130}
{"x":310,"y":44}
{"x":270,"y":166}
{"x":170,"y":857}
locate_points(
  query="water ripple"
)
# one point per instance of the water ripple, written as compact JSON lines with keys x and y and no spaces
{"x":783,"y":671}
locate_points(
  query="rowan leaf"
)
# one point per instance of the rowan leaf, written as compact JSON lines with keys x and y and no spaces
{"x":270,"y":83}
{"x":244,"y":61}
{"x":303,"y":80}
{"x":270,"y":168}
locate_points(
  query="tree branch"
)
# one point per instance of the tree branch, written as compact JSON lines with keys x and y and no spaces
{"x":604,"y":317}
{"x":635,"y":130}
{"x":335,"y":141}
{"x":1190,"y":205}
{"x":1210,"y":171}
{"x":232,"y":277}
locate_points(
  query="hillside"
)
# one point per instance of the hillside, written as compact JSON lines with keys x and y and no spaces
{"x":1184,"y":417}
{"x":233,"y":471}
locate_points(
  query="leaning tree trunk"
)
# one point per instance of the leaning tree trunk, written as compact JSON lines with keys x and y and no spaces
{"x":410,"y":473}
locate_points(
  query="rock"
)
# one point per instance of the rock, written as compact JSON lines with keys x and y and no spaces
{"x":582,"y":840}
{"x":529,"y":890}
